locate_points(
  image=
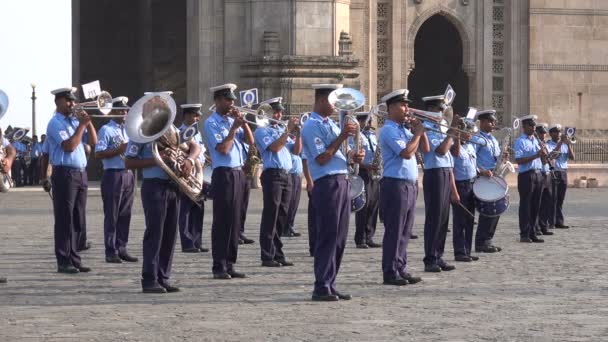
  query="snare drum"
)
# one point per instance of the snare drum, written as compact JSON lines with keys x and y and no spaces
{"x":491,"y":195}
{"x":357,"y":193}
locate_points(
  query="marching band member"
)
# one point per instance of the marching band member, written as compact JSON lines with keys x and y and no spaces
{"x":274,"y":144}
{"x":487,"y":156}
{"x":117,"y":184}
{"x":191,"y":214}
{"x":296,"y":190}
{"x":6,"y":167}
{"x":243,"y":239}
{"x":65,"y":140}
{"x":327,"y":164}
{"x":311,"y":207}
{"x":528,"y":154}
{"x":398,"y":187}
{"x":35,"y":153}
{"x":439,"y":188}
{"x":546,"y":198}
{"x":159,"y":199}
{"x":225,"y":130}
{"x":18,"y":169}
{"x":563,"y":144}
{"x":367,"y":217}
{"x":465,"y":173}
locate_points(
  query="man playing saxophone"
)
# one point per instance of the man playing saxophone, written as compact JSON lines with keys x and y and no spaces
{"x":367,"y":217}
{"x":225,"y":131}
{"x":117,"y":184}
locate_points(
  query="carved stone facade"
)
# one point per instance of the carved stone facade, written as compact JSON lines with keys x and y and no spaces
{"x":500,"y":53}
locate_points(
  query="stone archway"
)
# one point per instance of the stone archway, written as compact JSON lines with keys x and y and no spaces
{"x":438,"y":59}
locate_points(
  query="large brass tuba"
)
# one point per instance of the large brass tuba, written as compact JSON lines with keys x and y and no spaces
{"x":150,"y":120}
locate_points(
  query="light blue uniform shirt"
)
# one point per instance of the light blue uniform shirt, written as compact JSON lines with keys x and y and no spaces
{"x":465,"y":166}
{"x":432,"y":159}
{"x":60,"y":129}
{"x":487,"y":155}
{"x":216,"y":130}
{"x":370,"y":144}
{"x":561,"y":163}
{"x":144,"y":151}
{"x":20,"y":148}
{"x":45,"y":147}
{"x":264,"y":137}
{"x":317,"y":134}
{"x":393,"y":139}
{"x":296,"y":165}
{"x":110,"y":137}
{"x":36,"y":151}
{"x":527,"y":146}
{"x":199,"y":140}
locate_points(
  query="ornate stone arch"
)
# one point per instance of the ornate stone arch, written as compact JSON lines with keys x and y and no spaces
{"x":452,"y":17}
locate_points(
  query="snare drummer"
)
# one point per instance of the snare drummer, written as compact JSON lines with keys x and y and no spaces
{"x":191,"y":214}
{"x":465,"y":172}
{"x":487,"y":156}
{"x":528,"y":154}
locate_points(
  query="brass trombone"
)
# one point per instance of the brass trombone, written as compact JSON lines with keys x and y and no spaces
{"x":102,"y":103}
{"x":260,"y":114}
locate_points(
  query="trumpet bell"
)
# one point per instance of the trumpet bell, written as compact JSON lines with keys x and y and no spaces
{"x":104,"y":102}
{"x":516,"y":123}
{"x":304,"y":118}
{"x":150,"y":117}
{"x":380,"y":110}
{"x":346,"y":99}
{"x":3,"y":103}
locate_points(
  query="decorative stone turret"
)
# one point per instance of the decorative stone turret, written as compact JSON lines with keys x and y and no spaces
{"x":345,"y":45}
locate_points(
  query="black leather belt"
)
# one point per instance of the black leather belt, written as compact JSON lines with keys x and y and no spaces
{"x":69,"y":168}
{"x":407,"y":181}
{"x":277,"y":171}
{"x":226,"y":168}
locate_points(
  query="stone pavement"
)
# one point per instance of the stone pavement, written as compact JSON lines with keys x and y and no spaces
{"x":528,"y":292}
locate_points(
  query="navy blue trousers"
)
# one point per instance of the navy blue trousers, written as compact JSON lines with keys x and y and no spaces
{"x":190,"y":222}
{"x":331,"y":229}
{"x":560,"y":185}
{"x":546,"y":215}
{"x":228,"y":188}
{"x":159,"y":200}
{"x":436,"y":187}
{"x":117,"y":193}
{"x":311,"y":224}
{"x":462,"y":222}
{"x":245,"y":205}
{"x":294,"y":202}
{"x":69,"y":204}
{"x":398,"y":202}
{"x":367,"y":218}
{"x":276,"y":190}
{"x":529,"y":186}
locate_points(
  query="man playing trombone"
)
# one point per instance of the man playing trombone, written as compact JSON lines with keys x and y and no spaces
{"x":66,"y":134}
{"x":117,"y":184}
{"x":225,"y":131}
{"x":274,"y":144}
{"x":398,"y":189}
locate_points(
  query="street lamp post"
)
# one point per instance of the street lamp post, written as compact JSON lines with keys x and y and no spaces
{"x":33,"y":109}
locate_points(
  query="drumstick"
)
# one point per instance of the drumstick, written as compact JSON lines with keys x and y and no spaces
{"x":467,"y":211}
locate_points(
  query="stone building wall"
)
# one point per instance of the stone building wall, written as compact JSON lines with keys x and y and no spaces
{"x":569,"y":62}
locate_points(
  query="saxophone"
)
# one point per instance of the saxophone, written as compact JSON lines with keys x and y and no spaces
{"x":377,"y":168}
{"x":252,"y":162}
{"x":504,"y":167}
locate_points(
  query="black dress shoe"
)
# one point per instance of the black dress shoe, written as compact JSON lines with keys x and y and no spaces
{"x":203,"y":249}
{"x":496,"y":248}
{"x":154,"y":289}
{"x":114,"y":259}
{"x":561,"y":226}
{"x":446,"y":267}
{"x":69,"y":269}
{"x":83,"y":269}
{"x":396,"y":281}
{"x":525,"y":240}
{"x":324,"y":298}
{"x":126,"y":257}
{"x":432,"y":268}
{"x":362,"y":246}
{"x":537,"y":240}
{"x":190,"y":250}
{"x":271,"y":263}
{"x":86,"y":246}
{"x":284,"y":262}
{"x":247,"y":240}
{"x":485,"y":249}
{"x":546,"y":232}
{"x":410,"y":278}
{"x":295,"y":234}
{"x":235,"y":274}
{"x":241,"y":242}
{"x":463,"y":258}
{"x":169,"y":288}
{"x":413,"y":236}
{"x":473,"y":257}
{"x":372,"y":244}
{"x":3,"y":280}
{"x":221,"y":276}
{"x":343,"y":296}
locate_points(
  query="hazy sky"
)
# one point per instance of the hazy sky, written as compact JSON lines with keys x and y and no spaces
{"x":36,"y":47}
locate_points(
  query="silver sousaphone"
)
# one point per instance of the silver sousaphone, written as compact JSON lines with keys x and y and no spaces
{"x":347,"y":101}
